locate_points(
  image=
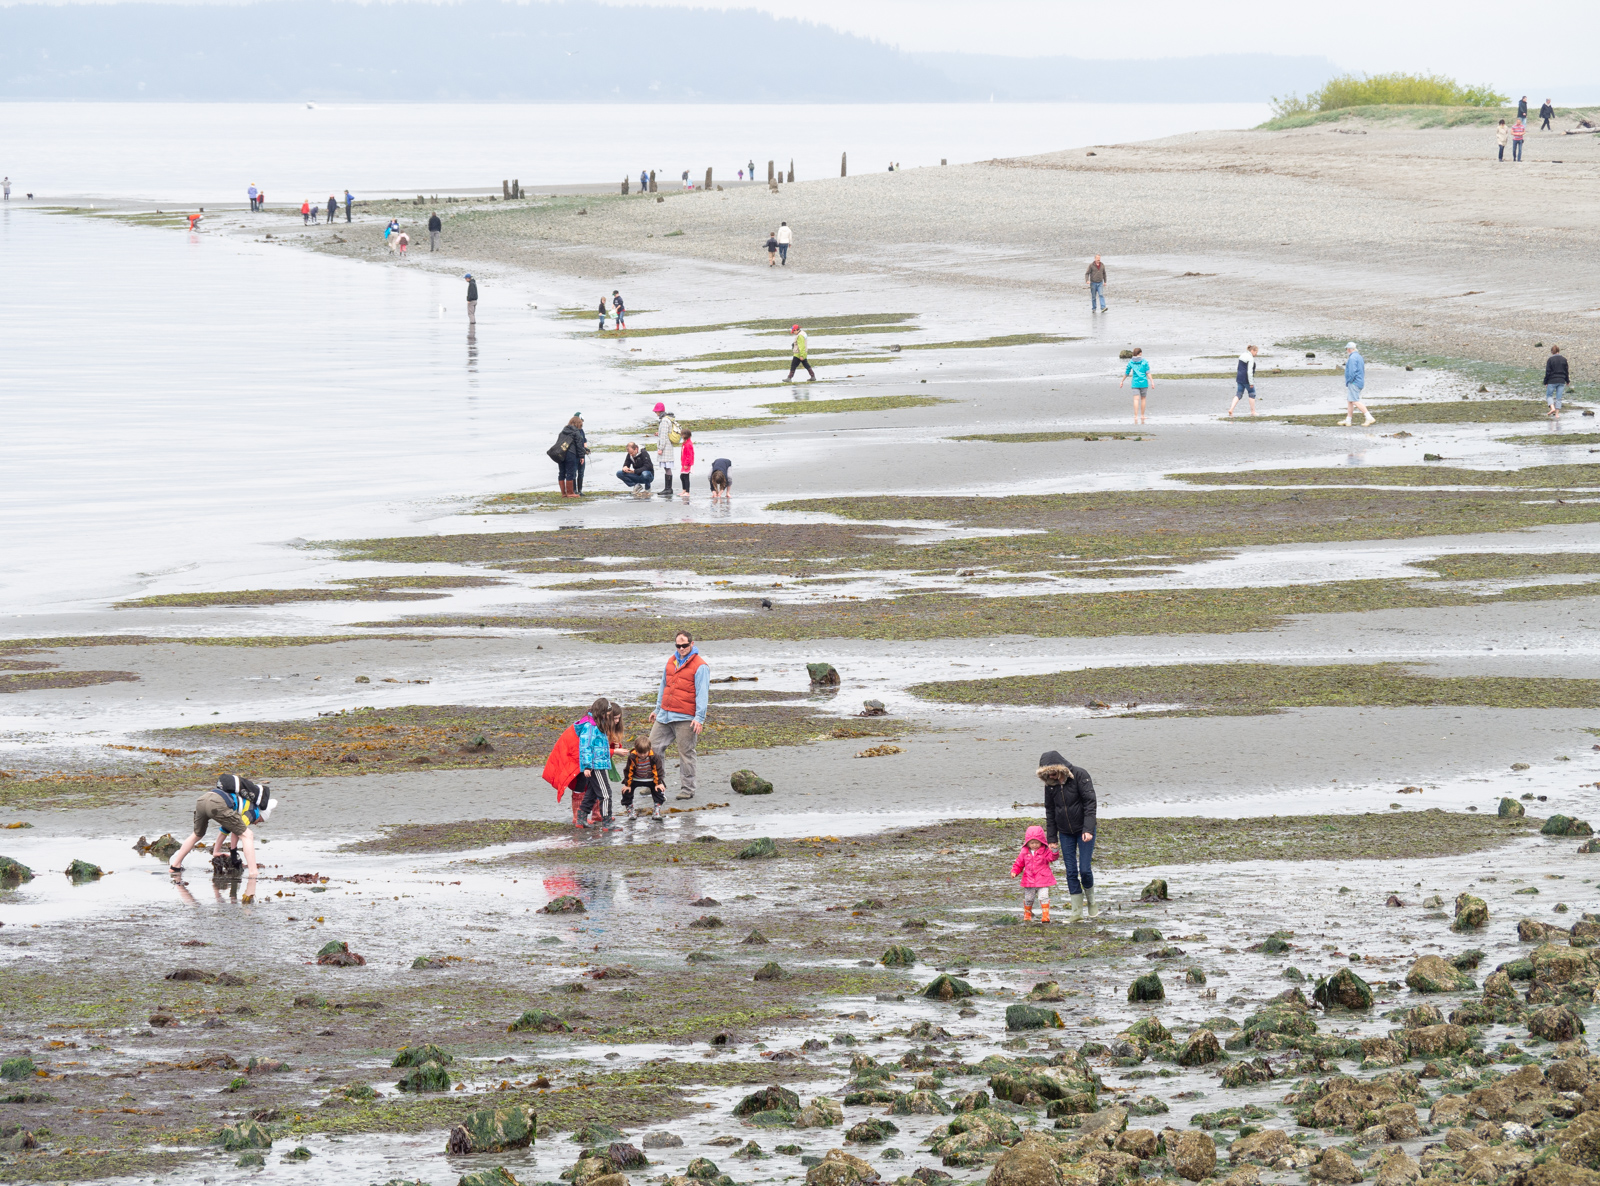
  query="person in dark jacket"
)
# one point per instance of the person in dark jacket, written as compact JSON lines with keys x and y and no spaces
{"x":472,"y":299}
{"x":567,"y":454}
{"x":1546,"y":113}
{"x":1070,"y":822}
{"x":1556,"y":378}
{"x":434,"y":227}
{"x":1522,"y":108}
{"x":333,"y":208}
{"x":637,"y":468}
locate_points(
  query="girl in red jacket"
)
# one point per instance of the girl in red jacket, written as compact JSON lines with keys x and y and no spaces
{"x":686,"y":460}
{"x":1033,"y":866}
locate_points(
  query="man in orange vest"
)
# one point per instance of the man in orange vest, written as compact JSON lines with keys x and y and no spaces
{"x":681,"y":706}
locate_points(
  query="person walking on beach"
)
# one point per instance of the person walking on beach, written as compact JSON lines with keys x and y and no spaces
{"x":434,"y":227}
{"x":1522,"y":108}
{"x":252,"y":193}
{"x":785,"y":237}
{"x":618,"y":313}
{"x":1095,"y":278}
{"x":1502,"y":133}
{"x":1070,"y":822}
{"x":1547,"y":112}
{"x":1033,"y":866}
{"x":1245,"y":379}
{"x":667,"y":438}
{"x":349,"y":200}
{"x":1518,"y":131}
{"x":333,"y":209}
{"x":681,"y":704}
{"x":1556,"y":378}
{"x":772,"y":249}
{"x":6,"y":183}
{"x":752,"y":170}
{"x":1355,"y":382}
{"x":798,"y":357}
{"x":603,"y":311}
{"x":472,"y":299}
{"x":1138,"y":369}
{"x":638,"y":471}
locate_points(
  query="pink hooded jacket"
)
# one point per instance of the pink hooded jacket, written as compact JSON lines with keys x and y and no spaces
{"x":1034,"y":864}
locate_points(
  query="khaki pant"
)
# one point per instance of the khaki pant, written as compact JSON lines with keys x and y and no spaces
{"x":212,"y":807}
{"x":681,"y":734}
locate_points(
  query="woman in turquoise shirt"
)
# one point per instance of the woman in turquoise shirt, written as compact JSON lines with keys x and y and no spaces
{"x":1139,"y":369}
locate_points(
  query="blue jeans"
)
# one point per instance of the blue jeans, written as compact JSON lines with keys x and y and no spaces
{"x":1516,"y":150}
{"x":568,"y":465}
{"x":1097,"y":291}
{"x":783,"y":254}
{"x":631,"y":479}
{"x":1076,"y":852}
{"x":1553,"y":393}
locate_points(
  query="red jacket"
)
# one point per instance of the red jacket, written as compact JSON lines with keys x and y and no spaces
{"x":686,"y":457}
{"x":561,"y":767}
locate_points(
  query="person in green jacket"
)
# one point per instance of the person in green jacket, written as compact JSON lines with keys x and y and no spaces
{"x":1138,"y":369}
{"x":799,"y":359}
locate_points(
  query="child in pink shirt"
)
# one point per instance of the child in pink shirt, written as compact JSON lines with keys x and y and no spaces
{"x":1033,"y":866}
{"x":685,"y":460}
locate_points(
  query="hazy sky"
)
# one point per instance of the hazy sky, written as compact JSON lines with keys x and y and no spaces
{"x":1517,"y":49}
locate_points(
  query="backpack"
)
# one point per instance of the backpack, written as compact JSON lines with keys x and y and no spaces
{"x":251,"y":799}
{"x":559,"y":450}
{"x":674,"y":435}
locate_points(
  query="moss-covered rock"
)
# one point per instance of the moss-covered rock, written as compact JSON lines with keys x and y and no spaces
{"x":1145,"y":935}
{"x":1430,"y":1041}
{"x":247,"y":1134}
{"x":1195,"y":976}
{"x":1555,"y":1023}
{"x":16,"y":1070}
{"x":1147,"y":988}
{"x":1148,"y":1031}
{"x":14,"y":872}
{"x":337,"y":954}
{"x":428,"y":1076}
{"x":1343,"y":990}
{"x":748,"y":782}
{"x":873,"y":1131}
{"x":415,"y":1056}
{"x":771,"y":970}
{"x":1156,"y":891}
{"x":945,"y":987}
{"x":494,"y":1176}
{"x":821,"y":1112}
{"x":1563,"y":825}
{"x":1433,"y":973}
{"x":920,"y":1103}
{"x":82,"y":871}
{"x":768,"y":1099}
{"x":1472,"y":913}
{"x":493,"y":1130}
{"x":1511,"y":809}
{"x":899,"y":956}
{"x":538,"y":1021}
{"x":823,"y":674}
{"x":1201,"y":1048}
{"x":1031,"y":1017}
{"x":565,"y":904}
{"x":757,"y":849}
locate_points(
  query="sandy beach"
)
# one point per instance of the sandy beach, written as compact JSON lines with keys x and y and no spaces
{"x":1334,"y":685}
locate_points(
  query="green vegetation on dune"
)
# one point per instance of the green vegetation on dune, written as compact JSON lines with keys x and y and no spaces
{"x":1260,"y":688}
{"x":1541,"y":476}
{"x":1395,"y":89}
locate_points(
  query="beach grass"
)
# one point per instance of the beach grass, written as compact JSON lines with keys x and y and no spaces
{"x":1261,"y":688}
{"x":1553,"y":439}
{"x":1482,"y":566}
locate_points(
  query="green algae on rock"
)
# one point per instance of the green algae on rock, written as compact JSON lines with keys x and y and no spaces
{"x":82,"y":871}
{"x":898,"y":956}
{"x":1031,"y":1017}
{"x":1432,"y":973}
{"x":1472,"y":913}
{"x":415,"y":1056}
{"x":247,"y":1134}
{"x":1345,"y":990}
{"x":748,"y":782}
{"x":1146,"y":988}
{"x":493,"y":1130}
{"x":945,"y":987}
{"x":426,"y":1076}
{"x":13,"y":872}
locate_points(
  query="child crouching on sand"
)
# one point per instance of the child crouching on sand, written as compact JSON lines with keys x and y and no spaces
{"x":645,"y":775}
{"x":1033,"y":866}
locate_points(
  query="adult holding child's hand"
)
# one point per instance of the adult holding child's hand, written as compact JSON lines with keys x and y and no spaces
{"x":1070,"y":824}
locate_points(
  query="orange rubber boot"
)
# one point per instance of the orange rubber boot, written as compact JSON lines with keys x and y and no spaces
{"x":1027,"y":914}
{"x":1044,"y":912}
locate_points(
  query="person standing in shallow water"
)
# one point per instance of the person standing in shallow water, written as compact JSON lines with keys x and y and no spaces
{"x":1070,"y":824}
{"x":472,"y":299}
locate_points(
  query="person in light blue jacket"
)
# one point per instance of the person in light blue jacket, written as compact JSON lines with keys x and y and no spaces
{"x":1355,"y":381}
{"x":1138,"y":369}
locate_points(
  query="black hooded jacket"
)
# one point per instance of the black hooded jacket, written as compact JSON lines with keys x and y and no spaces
{"x":1069,"y":804}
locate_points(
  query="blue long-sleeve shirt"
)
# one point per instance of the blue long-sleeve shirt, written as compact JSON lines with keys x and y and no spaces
{"x":702,"y":692}
{"x":1355,"y":370}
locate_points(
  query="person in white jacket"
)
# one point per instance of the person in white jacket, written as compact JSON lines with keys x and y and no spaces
{"x":666,"y":447}
{"x":1245,"y":380}
{"x":785,"y":237}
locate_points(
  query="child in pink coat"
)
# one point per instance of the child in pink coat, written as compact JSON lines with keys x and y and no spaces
{"x":1033,"y":866}
{"x":686,"y":460}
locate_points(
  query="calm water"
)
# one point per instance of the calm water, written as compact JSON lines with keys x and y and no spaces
{"x":211,"y":152}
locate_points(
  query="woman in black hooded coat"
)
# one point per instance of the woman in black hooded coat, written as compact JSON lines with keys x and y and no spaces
{"x":1070,"y":823}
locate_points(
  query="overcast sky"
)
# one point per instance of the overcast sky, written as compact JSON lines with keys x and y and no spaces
{"x":1517,"y":49}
